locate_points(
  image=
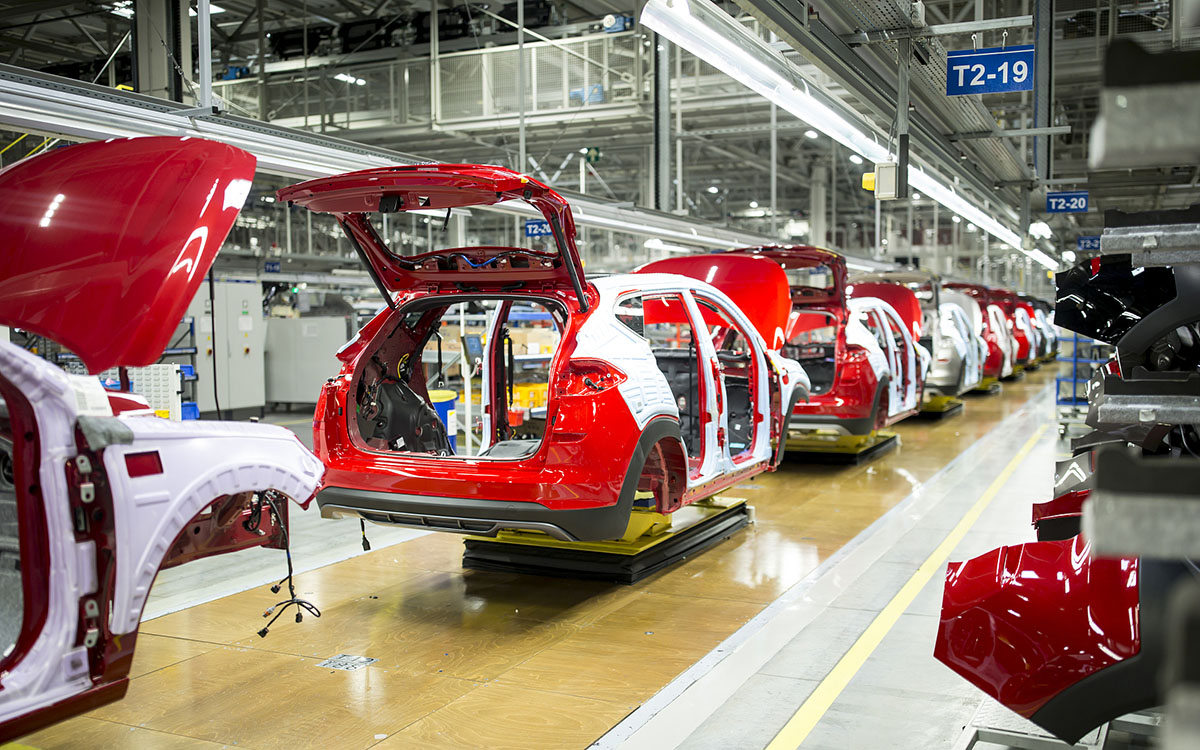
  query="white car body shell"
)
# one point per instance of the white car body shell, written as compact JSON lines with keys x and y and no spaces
{"x":646,"y":391}
{"x":201,"y":462}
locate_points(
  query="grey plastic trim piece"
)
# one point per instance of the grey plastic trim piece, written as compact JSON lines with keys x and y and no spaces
{"x":101,"y":432}
{"x":458,"y":525}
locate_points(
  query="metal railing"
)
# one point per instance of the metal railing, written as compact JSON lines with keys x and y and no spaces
{"x":563,"y":76}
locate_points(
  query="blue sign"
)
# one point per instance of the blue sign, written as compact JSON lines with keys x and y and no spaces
{"x":1088,"y":242}
{"x":272,"y":266}
{"x":1074,"y":202}
{"x":989,"y":71}
{"x":537,"y":228}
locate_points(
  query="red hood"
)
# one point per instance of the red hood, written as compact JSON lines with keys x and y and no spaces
{"x":757,"y":286}
{"x":103,"y":245}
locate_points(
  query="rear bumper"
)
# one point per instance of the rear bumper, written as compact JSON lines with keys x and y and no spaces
{"x":469,"y":515}
{"x":845,"y":425}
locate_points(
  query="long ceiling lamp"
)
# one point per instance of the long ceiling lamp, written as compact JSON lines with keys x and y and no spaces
{"x":712,"y":35}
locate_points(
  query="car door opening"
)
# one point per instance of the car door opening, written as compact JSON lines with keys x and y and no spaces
{"x":466,"y":376}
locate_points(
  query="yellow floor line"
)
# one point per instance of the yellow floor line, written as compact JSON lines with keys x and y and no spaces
{"x":293,"y":421}
{"x":810,"y":712}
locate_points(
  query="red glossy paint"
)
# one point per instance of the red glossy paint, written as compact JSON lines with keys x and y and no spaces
{"x":103,"y":245}
{"x":993,"y":365}
{"x":576,"y":466}
{"x":1066,"y":505}
{"x":1025,"y":622}
{"x":756,"y":285}
{"x":31,"y":521}
{"x":901,"y":298}
{"x":121,"y":403}
{"x":1008,"y":302}
{"x":351,"y":197}
{"x":852,"y":393}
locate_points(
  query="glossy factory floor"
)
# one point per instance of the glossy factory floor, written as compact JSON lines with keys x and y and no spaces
{"x":470,"y":659}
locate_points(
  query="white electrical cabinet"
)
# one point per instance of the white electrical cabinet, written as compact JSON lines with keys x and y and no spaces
{"x":238,"y":347}
{"x":300,"y":357}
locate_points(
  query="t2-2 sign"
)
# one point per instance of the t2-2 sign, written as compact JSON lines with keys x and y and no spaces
{"x":1074,"y":202}
{"x":989,"y":71}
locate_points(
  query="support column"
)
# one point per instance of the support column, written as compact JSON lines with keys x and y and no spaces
{"x":816,"y":207}
{"x":662,"y":123}
{"x":679,"y":132}
{"x":833,"y":194}
{"x":259,"y":11}
{"x":912,"y":247}
{"x":157,"y":23}
{"x":1043,"y":31}
{"x":775,"y":175}
{"x":878,"y":230}
{"x":523,"y":156}
{"x":937,"y":249}
{"x":905,"y":52}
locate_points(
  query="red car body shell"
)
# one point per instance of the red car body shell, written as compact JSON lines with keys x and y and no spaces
{"x":901,"y":298}
{"x":145,"y":259}
{"x":993,"y":365}
{"x":1025,"y":622}
{"x":852,"y":398}
{"x":1009,"y":302}
{"x":757,"y":286}
{"x":573,"y":469}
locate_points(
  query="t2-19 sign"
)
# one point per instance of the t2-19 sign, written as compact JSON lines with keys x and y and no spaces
{"x":989,"y":71}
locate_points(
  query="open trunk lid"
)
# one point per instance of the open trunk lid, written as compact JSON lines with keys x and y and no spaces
{"x":354,"y":196}
{"x":103,"y":245}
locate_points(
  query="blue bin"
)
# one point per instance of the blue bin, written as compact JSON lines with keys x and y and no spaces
{"x":189,"y":410}
{"x":445,"y":403}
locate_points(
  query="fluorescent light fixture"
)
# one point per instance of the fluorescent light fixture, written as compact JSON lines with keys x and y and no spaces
{"x":753,"y":204}
{"x":860,"y":266}
{"x":123,"y":8}
{"x":1041,"y":230}
{"x":1044,"y":259}
{"x":583,"y":150}
{"x":811,"y":134}
{"x":1068,"y":256}
{"x":711,"y":34}
{"x":796,"y":227}
{"x":855,"y":159}
{"x":714,"y":189}
{"x":916,"y":196}
{"x":347,"y":78}
{"x":212,"y":10}
{"x":971,"y":227}
{"x":956,"y":219}
{"x":657,"y":244}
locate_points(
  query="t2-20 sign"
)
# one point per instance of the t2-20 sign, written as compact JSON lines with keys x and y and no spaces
{"x":989,"y":71}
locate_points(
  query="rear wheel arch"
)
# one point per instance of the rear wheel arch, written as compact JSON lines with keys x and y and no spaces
{"x":664,"y":473}
{"x":781,"y":447}
{"x":882,"y":403}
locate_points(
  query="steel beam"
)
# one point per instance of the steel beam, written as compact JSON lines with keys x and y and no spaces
{"x":1013,"y":133}
{"x":31,"y":101}
{"x":942,"y":29}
